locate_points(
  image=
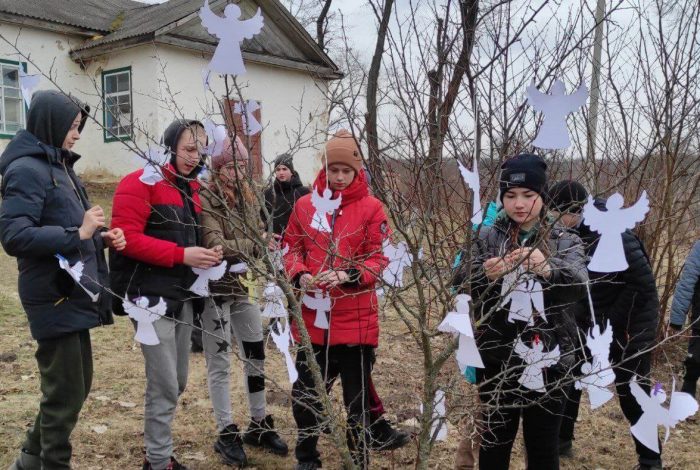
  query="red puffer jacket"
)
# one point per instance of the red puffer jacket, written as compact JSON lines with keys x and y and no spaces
{"x":358,"y":228}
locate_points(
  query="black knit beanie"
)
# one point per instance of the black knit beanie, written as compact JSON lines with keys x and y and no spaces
{"x":567,"y":196}
{"x":524,"y":171}
{"x":286,"y":160}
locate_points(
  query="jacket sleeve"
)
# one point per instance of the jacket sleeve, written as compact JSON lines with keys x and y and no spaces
{"x":294,"y":261}
{"x":685,"y":289}
{"x":569,"y":273}
{"x":213,"y":232}
{"x":21,"y":232}
{"x":130,"y":211}
{"x":369,"y":270}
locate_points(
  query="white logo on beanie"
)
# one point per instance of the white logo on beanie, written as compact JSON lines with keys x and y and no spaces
{"x":517,"y":178}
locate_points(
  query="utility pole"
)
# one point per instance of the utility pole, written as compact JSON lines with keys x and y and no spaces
{"x":595,"y":93}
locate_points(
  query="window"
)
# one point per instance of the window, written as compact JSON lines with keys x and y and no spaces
{"x":116,"y":89}
{"x":12,"y":110}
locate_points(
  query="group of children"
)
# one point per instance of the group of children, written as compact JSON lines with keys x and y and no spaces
{"x":160,"y":232}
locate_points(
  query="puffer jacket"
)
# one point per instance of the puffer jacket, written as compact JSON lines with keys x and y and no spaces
{"x":687,"y":294}
{"x":496,"y":336}
{"x":359,"y":227}
{"x":280,"y":199}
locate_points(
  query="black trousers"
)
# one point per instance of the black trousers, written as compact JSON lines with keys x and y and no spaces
{"x":65,"y":366}
{"x":692,"y":363}
{"x":504,"y":403}
{"x":353,"y":364}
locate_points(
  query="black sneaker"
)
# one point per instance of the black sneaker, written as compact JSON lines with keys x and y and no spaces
{"x":307,"y":466}
{"x":385,"y":437}
{"x":230,"y":446}
{"x":26,"y":461}
{"x":262,"y":434}
{"x":654,"y":466}
{"x":173,"y":465}
{"x":566,"y":448}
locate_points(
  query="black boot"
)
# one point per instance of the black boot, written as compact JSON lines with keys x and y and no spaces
{"x":173,"y":465}
{"x":566,"y":447}
{"x":230,"y":446}
{"x":384,"y":437}
{"x":26,"y":461}
{"x":262,"y":434}
{"x":307,"y":466}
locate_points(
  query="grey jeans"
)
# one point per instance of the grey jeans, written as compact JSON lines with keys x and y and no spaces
{"x":166,"y":378}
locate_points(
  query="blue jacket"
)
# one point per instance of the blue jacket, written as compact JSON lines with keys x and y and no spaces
{"x":687,"y":293}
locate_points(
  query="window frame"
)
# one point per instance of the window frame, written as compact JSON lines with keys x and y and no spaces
{"x":107,"y":136}
{"x":6,"y":135}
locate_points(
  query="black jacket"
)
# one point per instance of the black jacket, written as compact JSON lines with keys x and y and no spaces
{"x":280,"y":199}
{"x":43,"y":206}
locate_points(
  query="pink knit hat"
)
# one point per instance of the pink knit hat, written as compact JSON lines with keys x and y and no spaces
{"x":227,"y":154}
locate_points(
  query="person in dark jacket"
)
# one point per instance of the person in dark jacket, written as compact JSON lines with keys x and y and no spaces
{"x":523,"y":241}
{"x":685,"y":298}
{"x":281,"y":196}
{"x":161,"y":225}
{"x":45,"y":213}
{"x":629,"y":300}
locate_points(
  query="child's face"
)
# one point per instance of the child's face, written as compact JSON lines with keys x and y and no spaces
{"x":282,"y":173}
{"x":73,"y":134}
{"x":233,"y":171}
{"x":522,"y":205}
{"x":340,"y":176}
{"x":189,"y":150}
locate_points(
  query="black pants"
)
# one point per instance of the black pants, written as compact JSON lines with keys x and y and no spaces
{"x":65,"y":365}
{"x":692,"y":363}
{"x":504,"y":403}
{"x":353,"y":364}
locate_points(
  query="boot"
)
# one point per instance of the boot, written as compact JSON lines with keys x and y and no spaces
{"x":566,"y":447}
{"x":230,"y":446}
{"x":173,"y":465}
{"x":26,"y":461}
{"x":307,"y":466}
{"x":262,"y":434}
{"x":385,"y":437}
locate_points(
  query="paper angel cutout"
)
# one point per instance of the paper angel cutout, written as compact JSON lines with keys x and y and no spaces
{"x":471,"y":179}
{"x":230,"y":30}
{"x":681,"y":407}
{"x":609,"y":255}
{"x":248,"y":281}
{"x":438,"y":428}
{"x":251,"y":126}
{"x":535,"y":359}
{"x":525,"y":295}
{"x":282,"y":340}
{"x":156,"y":157}
{"x":145,"y":316}
{"x":277,"y":257}
{"x":238,"y":268}
{"x":323,"y":205}
{"x":76,"y":272}
{"x":216,"y":136}
{"x":556,"y":106}
{"x":460,"y":323}
{"x":201,"y":285}
{"x":322,"y":304}
{"x":273,"y":297}
{"x":27,"y":84}
{"x":400,"y":258}
{"x":206,"y":74}
{"x":597,"y":374}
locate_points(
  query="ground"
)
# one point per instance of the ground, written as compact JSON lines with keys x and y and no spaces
{"x":110,"y":431}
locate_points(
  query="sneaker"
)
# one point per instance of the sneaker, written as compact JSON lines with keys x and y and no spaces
{"x":262,"y":434}
{"x":307,"y":466}
{"x":385,"y":437}
{"x":26,"y":461}
{"x":566,"y":448}
{"x":173,"y":465}
{"x":230,"y":446}
{"x":650,"y":466}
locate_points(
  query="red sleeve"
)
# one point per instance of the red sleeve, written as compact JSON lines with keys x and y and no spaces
{"x":294,"y":236}
{"x":374,"y":262}
{"x":130,"y":211}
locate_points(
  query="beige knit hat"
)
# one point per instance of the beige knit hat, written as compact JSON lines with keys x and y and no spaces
{"x":343,"y":148}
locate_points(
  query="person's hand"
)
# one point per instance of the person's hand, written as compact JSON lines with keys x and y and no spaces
{"x":495,"y":268}
{"x":533,"y":260}
{"x":274,"y":242}
{"x":93,"y":219}
{"x":331,"y":278}
{"x":114,"y":239}
{"x":306,"y":281}
{"x":219,"y":250}
{"x":202,"y":258}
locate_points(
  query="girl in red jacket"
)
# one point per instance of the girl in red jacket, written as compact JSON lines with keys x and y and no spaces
{"x":343,"y":264}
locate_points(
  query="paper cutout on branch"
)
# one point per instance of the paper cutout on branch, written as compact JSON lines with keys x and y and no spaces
{"x":555,"y":107}
{"x":216,"y":136}
{"x":323,"y":205}
{"x":460,"y":323}
{"x":471,"y":179}
{"x":273,"y":297}
{"x":535,"y":359}
{"x":400,"y":258}
{"x":251,"y":286}
{"x":438,"y":427}
{"x":681,"y":407}
{"x":277,"y":257}
{"x":251,"y":126}
{"x":597,"y":374}
{"x":525,"y":295}
{"x":28,"y":83}
{"x":201,"y":285}
{"x":609,"y":255}
{"x":145,"y":316}
{"x":76,"y":272}
{"x":230,"y":30}
{"x":283,"y":340}
{"x":156,"y":158}
{"x":206,"y":75}
{"x":238,"y":268}
{"x":322,"y":305}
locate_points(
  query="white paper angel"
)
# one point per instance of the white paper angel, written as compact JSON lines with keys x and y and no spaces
{"x":230,"y":30}
{"x":609,"y":255}
{"x":471,"y":179}
{"x":28,"y":83}
{"x":273,"y":297}
{"x":201,"y":284}
{"x":206,"y":74}
{"x":525,"y":294}
{"x":145,"y":316}
{"x":216,"y":135}
{"x":681,"y":407}
{"x":535,"y":359}
{"x":460,"y":323}
{"x":323,"y":204}
{"x":277,"y":257}
{"x":282,"y":340}
{"x":438,"y":428}
{"x":400,"y":258}
{"x":76,"y":272}
{"x":238,"y":268}
{"x":156,"y":157}
{"x":322,"y":305}
{"x":556,"y":106}
{"x":251,"y":126}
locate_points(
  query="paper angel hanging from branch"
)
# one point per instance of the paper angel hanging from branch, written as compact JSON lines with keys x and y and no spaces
{"x":145,"y":316}
{"x":400,"y":258}
{"x":460,"y":323}
{"x":156,"y":158}
{"x":28,"y":83}
{"x":251,"y":126}
{"x":201,"y":285}
{"x":273,"y":305}
{"x":555,"y":107}
{"x":597,"y":374}
{"x":283,"y":340}
{"x":438,"y":428}
{"x":609,"y":255}
{"x":471,"y":179}
{"x":322,"y":305}
{"x":535,"y":359}
{"x":230,"y":30}
{"x":76,"y":272}
{"x":525,"y":294}
{"x":323,"y":204}
{"x":216,"y":135}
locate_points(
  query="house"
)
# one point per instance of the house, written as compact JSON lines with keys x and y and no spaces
{"x":139,"y":66}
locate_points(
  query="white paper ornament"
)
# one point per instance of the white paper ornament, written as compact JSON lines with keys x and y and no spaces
{"x":471,"y":179}
{"x":251,"y":126}
{"x":28,"y":83}
{"x":201,"y":285}
{"x":535,"y":359}
{"x":273,"y":305}
{"x":321,"y":303}
{"x":556,"y":106}
{"x":525,"y":294}
{"x":323,"y":205}
{"x":76,"y":272}
{"x":156,"y":158}
{"x":459,"y":323}
{"x":282,"y":340}
{"x":145,"y":316}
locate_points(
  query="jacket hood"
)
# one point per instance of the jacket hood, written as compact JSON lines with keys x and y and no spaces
{"x":51,"y":114}
{"x":357,"y":189}
{"x":171,"y":136}
{"x":25,"y":144}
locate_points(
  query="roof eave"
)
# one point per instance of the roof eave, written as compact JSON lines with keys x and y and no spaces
{"x":37,"y":23}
